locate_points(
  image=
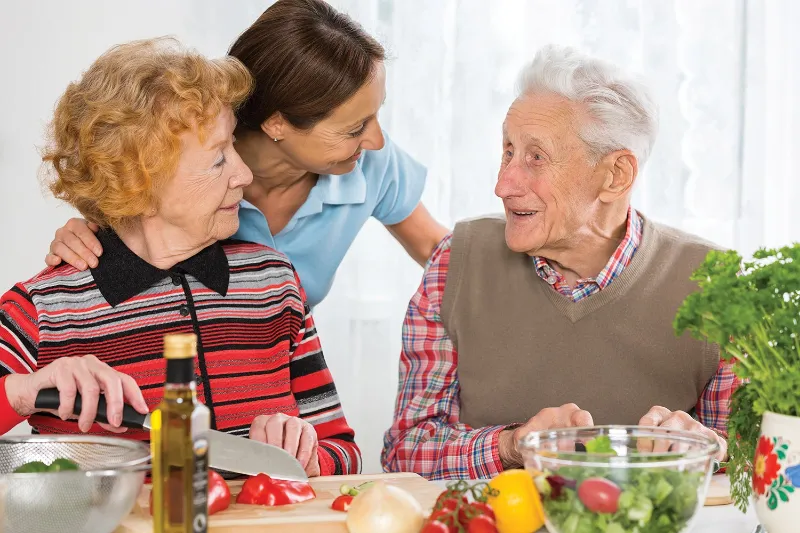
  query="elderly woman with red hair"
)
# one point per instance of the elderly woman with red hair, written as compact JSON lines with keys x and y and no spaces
{"x":142,"y":146}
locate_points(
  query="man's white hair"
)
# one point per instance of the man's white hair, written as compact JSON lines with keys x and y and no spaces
{"x":623,"y":113}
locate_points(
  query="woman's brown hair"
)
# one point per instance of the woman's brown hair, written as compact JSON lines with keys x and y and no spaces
{"x":307,"y":59}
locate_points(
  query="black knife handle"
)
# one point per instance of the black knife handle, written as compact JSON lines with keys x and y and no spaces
{"x":50,"y":399}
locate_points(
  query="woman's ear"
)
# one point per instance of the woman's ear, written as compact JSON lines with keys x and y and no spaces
{"x":620,"y":169}
{"x":274,"y":126}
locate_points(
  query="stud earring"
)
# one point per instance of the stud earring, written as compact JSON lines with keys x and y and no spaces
{"x":275,"y":139}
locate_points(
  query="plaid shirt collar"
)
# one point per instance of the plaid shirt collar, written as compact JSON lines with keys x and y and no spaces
{"x":616,"y":264}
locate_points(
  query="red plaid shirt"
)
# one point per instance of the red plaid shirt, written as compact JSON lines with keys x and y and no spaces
{"x":426,"y":436}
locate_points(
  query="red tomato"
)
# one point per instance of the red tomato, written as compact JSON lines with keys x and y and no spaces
{"x":481,"y":524}
{"x":434,"y":526}
{"x":474,"y":509}
{"x":449,"y":495}
{"x":447,"y":504}
{"x":599,"y":495}
{"x":447,"y":518}
{"x":342,"y":503}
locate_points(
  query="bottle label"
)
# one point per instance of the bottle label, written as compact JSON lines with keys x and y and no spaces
{"x":200,"y":426}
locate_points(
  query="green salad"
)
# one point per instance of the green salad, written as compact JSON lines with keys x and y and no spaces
{"x":619,"y":500}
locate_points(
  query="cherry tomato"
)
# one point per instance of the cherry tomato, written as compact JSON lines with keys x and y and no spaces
{"x":599,"y":495}
{"x":449,"y":495}
{"x":447,"y":518}
{"x":481,"y":524}
{"x":342,"y":503}
{"x":434,"y":526}
{"x":474,"y":509}
{"x":448,"y":504}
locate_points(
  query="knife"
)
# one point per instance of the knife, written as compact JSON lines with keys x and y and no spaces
{"x":225,"y":452}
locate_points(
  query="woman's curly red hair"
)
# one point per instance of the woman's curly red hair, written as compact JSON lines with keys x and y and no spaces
{"x":114,"y":139}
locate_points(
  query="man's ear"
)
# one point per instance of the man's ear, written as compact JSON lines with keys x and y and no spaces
{"x":274,"y":126}
{"x":619,"y":169}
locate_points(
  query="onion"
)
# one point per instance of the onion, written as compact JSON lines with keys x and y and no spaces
{"x":386,"y":509}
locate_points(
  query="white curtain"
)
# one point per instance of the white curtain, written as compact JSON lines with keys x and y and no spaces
{"x":726,"y":74}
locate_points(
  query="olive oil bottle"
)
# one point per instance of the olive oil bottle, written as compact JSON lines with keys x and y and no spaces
{"x":179,"y":445}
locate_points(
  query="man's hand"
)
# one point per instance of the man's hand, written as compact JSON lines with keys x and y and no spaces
{"x":291,"y":433}
{"x":662,"y":417}
{"x":568,"y":415}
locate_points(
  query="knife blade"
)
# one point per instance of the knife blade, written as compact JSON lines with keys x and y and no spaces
{"x":226,"y":452}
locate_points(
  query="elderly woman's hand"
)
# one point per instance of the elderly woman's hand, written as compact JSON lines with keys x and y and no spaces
{"x":71,"y":375}
{"x":293,"y":434}
{"x":75,"y":244}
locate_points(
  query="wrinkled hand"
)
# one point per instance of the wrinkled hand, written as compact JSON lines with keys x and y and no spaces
{"x":293,"y":434}
{"x":70,"y":375}
{"x":568,"y":415}
{"x":76,"y":244}
{"x":662,"y":417}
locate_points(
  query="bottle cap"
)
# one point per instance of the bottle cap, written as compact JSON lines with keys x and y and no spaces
{"x":180,"y":346}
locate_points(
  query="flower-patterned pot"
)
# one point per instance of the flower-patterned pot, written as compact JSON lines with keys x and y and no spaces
{"x":776,"y":473}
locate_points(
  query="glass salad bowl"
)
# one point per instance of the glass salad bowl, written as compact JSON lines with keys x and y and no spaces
{"x":620,"y":479}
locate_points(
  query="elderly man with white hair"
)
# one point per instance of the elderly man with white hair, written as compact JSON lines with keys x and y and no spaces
{"x":560,"y":312}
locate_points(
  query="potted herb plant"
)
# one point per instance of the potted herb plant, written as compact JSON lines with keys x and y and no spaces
{"x":752,"y":311}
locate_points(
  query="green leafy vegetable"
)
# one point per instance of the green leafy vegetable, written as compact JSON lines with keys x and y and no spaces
{"x":37,"y":466}
{"x":653,"y":500}
{"x":62,"y":464}
{"x":601,"y":444}
{"x":751,"y":310}
{"x":31,"y":467}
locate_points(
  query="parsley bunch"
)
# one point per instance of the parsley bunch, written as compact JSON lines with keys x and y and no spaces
{"x":751,"y":310}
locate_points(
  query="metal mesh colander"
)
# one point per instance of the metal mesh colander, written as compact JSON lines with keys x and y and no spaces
{"x":93,"y":500}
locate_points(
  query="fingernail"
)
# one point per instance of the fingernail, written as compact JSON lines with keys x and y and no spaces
{"x":98,"y":251}
{"x":94,"y":263}
{"x":81,"y":265}
{"x":116,"y":419}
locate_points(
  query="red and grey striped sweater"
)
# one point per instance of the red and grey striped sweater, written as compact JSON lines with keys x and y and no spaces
{"x":258,"y":350}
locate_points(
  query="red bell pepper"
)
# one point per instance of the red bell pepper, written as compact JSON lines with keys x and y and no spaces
{"x":219,"y":494}
{"x":342,"y":503}
{"x":263,"y":490}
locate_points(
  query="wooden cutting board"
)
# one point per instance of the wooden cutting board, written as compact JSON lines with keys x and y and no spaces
{"x":719,"y":491}
{"x":315,"y":515}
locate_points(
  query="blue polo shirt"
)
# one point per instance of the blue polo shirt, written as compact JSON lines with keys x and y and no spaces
{"x":386,"y":184}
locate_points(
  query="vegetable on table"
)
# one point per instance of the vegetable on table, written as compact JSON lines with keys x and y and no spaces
{"x":59,"y":465}
{"x":342,"y":502}
{"x":219,"y":494}
{"x":453,"y":512}
{"x":384,"y":508}
{"x":347,"y":490}
{"x":264,"y":490}
{"x":516,"y":502}
{"x":621,"y":500}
